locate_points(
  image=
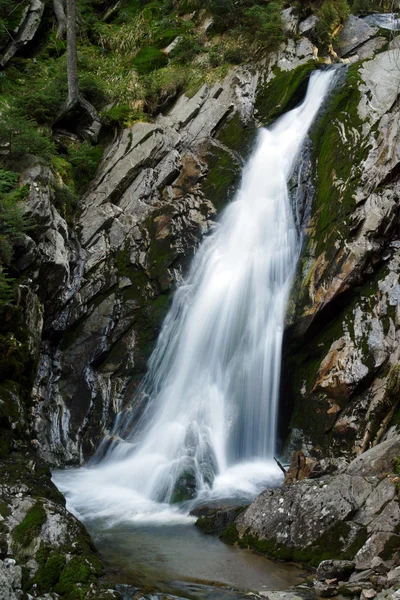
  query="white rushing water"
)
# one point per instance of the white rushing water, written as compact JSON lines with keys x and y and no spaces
{"x":213,"y":379}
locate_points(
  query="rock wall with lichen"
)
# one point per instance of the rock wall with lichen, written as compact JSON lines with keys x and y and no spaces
{"x":341,"y":360}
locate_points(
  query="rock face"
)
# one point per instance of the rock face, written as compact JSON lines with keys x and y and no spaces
{"x":341,"y":361}
{"x":348,"y":516}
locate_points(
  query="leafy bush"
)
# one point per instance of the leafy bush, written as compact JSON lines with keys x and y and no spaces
{"x":234,"y":56}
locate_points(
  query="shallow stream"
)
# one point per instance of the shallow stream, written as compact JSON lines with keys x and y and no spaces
{"x":171,"y":558}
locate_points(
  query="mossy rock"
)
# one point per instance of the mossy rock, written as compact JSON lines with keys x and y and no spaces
{"x":26,"y":532}
{"x":328,"y":546}
{"x":283,"y":92}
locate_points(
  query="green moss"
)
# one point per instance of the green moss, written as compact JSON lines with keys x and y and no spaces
{"x":230,"y":535}
{"x":328,"y":546}
{"x":283,"y":93}
{"x":77,"y":575}
{"x":24,"y":534}
{"x":221,"y":181}
{"x":339,"y":150}
{"x":51,"y":565}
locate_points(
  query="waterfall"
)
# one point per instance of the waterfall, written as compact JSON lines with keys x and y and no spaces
{"x":212,"y":385}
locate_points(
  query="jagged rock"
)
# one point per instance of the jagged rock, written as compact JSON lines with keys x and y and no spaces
{"x":380,"y":566}
{"x":367,"y":594}
{"x":393,"y":577}
{"x":361,"y":575}
{"x":10,"y":580}
{"x":339,"y":569}
{"x":376,"y":545}
{"x":308,"y":24}
{"x":355,"y":31}
{"x":381,"y":81}
{"x":289,"y":21}
{"x":325,"y":590}
{"x":377,"y":460}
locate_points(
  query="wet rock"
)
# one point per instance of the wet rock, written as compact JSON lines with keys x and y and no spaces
{"x":339,"y":569}
{"x":215,"y":520}
{"x":275,"y":520}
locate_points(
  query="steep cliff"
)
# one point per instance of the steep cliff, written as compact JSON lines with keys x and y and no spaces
{"x":94,"y":287}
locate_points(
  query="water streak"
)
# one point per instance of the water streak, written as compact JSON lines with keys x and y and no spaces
{"x":213,"y":378}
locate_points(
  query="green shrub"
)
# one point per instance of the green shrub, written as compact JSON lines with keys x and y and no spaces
{"x":149,"y":59}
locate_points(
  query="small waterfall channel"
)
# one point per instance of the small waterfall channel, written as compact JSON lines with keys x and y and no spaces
{"x":209,"y":428}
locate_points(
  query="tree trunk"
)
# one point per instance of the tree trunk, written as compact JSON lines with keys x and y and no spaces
{"x":72,"y":57}
{"x":76,"y":111}
{"x":59,"y":11}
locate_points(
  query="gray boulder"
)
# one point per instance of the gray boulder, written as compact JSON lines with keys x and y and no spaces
{"x":335,"y":569}
{"x":354,"y":33}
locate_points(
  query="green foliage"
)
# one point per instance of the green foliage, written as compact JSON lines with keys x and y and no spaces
{"x":13,"y":223}
{"x":331,"y":15}
{"x":85,"y":160}
{"x":186,"y":50}
{"x":364,"y":7}
{"x":265,"y":23}
{"x":8,"y":180}
{"x":24,"y":534}
{"x":149,"y":59}
{"x":163,"y":85}
{"x":51,"y":565}
{"x":23,"y":136}
{"x":122,"y":115}
{"x":10,"y":15}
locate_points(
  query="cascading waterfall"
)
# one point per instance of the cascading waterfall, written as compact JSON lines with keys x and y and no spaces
{"x":209,"y":426}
